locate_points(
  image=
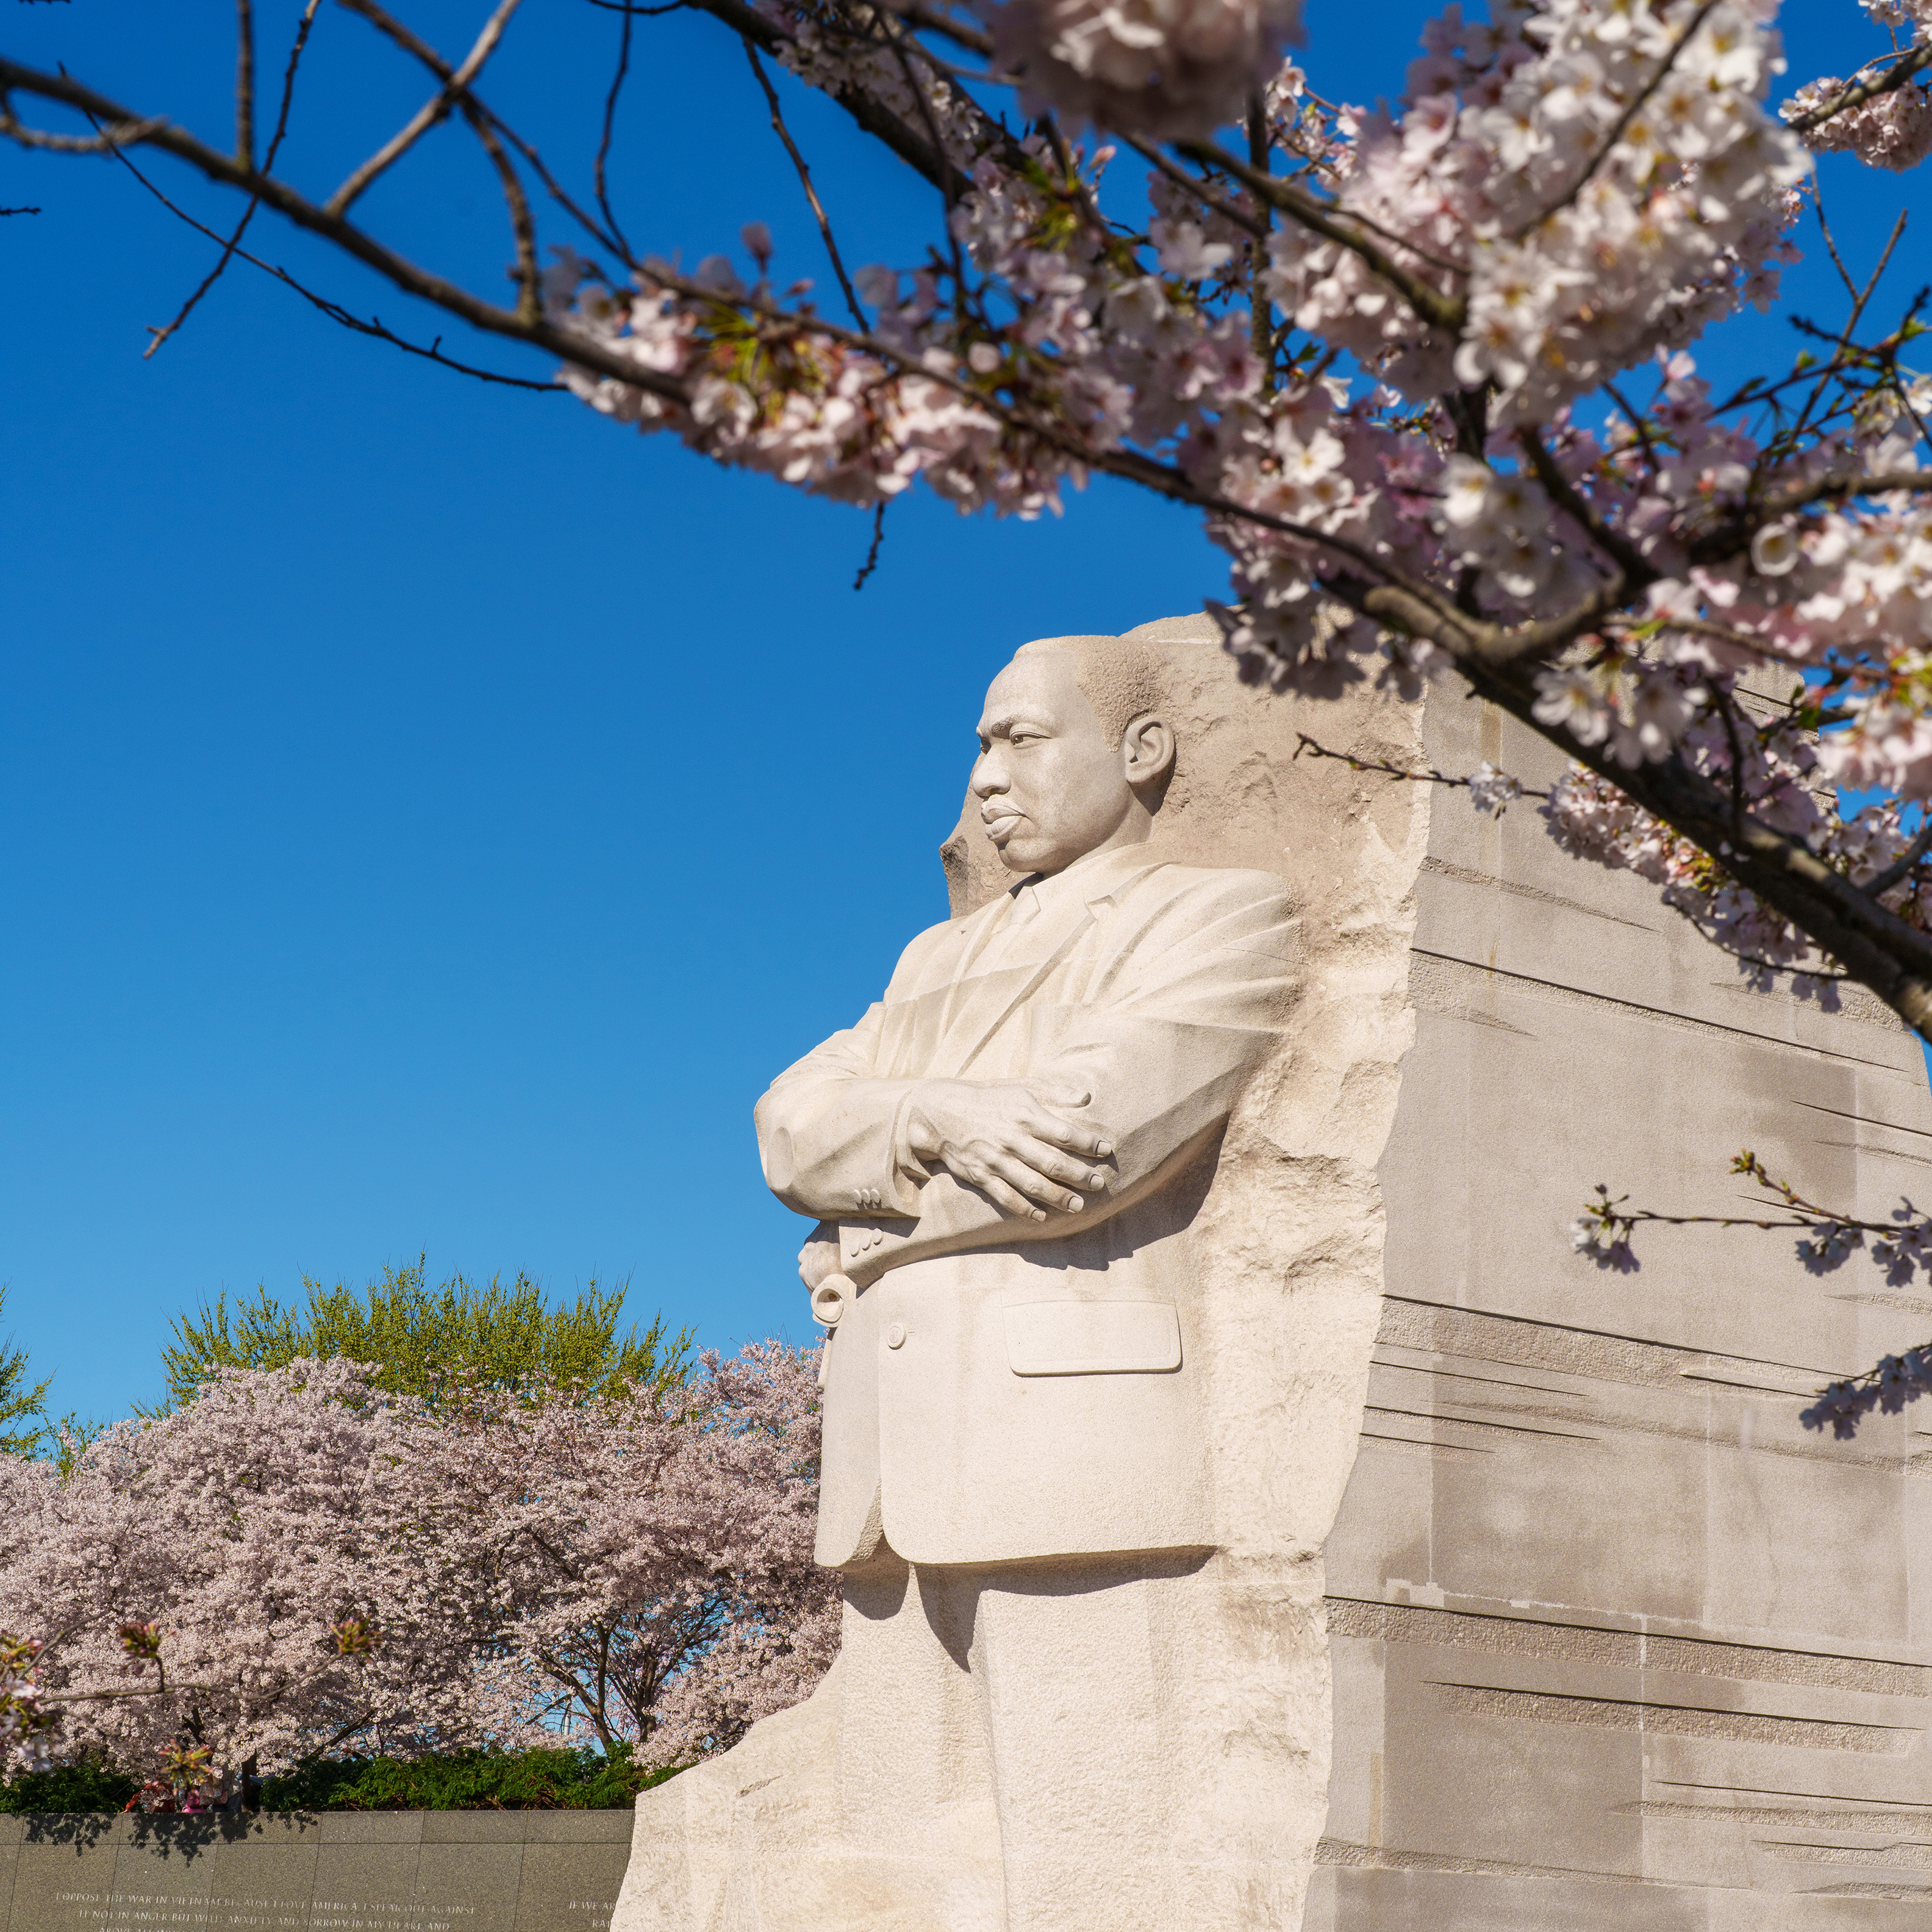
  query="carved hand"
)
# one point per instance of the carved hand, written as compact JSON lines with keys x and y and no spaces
{"x":1010,"y":1143}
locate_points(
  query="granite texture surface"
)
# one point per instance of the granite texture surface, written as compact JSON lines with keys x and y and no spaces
{"x":1618,"y":1646}
{"x":383,"y":1871}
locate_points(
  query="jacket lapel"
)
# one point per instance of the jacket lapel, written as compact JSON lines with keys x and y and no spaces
{"x":1001,"y":974}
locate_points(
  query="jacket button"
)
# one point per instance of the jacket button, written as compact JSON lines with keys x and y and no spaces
{"x":895,"y":1335}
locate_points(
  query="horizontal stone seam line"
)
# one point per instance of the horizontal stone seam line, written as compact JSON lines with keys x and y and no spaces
{"x":1867,"y":1823}
{"x":1566,"y":995}
{"x":1696,"y":1720}
{"x":1475,"y":1422}
{"x":1423,"y":1442}
{"x":1624,"y":1649}
{"x":1468,"y":875}
{"x":1707,"y":1356}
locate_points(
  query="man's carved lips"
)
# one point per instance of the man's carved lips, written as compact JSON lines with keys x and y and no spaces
{"x":1001,"y":820}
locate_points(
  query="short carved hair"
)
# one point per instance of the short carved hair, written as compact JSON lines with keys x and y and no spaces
{"x":1119,"y":677}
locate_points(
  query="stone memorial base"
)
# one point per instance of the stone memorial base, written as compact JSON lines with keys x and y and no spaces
{"x":337,"y":1871}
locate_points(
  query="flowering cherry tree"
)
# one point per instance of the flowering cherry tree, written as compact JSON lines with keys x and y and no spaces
{"x":649,"y":1553}
{"x":295,"y":1562}
{"x":1428,"y":372}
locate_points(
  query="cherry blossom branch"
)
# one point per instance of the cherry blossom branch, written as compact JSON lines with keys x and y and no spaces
{"x":1441,"y":311}
{"x":1638,"y":570}
{"x":1602,"y":1232}
{"x":1618,"y":128}
{"x":1876,"y":946}
{"x":1897,"y":872}
{"x":1150,"y":153}
{"x":1859,"y":92}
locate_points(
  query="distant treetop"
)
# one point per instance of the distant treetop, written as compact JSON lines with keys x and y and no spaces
{"x":419,"y":1337}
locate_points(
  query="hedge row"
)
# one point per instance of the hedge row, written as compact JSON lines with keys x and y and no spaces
{"x":540,"y":1780}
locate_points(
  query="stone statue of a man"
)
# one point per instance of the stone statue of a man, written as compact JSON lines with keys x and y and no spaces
{"x":1031,"y":1726}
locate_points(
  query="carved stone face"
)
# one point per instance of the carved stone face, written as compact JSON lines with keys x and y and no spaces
{"x":1051,"y":786}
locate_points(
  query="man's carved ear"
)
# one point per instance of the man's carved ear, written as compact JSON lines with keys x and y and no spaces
{"x":1147,"y":748}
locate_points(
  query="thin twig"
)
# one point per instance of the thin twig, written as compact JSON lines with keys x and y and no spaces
{"x":1831,"y":241}
{"x":1843,"y":349}
{"x":871,"y":562}
{"x":804,"y":173}
{"x":245,"y":82}
{"x":610,"y":123}
{"x":373,"y":326}
{"x":215,"y":275}
{"x":1387,"y":769}
{"x":523,"y":227}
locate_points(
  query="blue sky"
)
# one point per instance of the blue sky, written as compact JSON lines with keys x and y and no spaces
{"x":429,"y":814}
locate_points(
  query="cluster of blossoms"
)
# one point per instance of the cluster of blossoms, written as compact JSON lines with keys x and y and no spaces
{"x":1575,"y":209}
{"x":316,"y":1564}
{"x":26,"y":1723}
{"x":1892,"y":129}
{"x":1169,"y":68}
{"x":1072,"y":342}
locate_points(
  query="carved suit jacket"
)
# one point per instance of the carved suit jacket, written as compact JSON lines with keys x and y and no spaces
{"x":1002,"y":1389}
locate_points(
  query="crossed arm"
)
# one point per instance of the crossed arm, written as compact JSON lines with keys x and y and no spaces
{"x":1120,"y":1087}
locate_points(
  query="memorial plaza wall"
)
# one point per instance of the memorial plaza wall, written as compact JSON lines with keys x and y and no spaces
{"x":337,"y":1871}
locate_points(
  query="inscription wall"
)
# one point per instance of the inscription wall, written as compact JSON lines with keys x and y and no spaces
{"x":389,"y":1871}
{"x":1618,"y":1646}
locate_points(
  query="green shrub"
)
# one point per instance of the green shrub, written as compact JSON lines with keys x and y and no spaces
{"x":539,"y":1780}
{"x":473,"y":1781}
{"x":89,"y":1786}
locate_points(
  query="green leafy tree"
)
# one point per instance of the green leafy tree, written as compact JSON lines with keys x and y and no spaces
{"x":496,"y":1336}
{"x":18,"y":1401}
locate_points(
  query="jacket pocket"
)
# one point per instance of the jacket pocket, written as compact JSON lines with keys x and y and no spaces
{"x":1092,"y":1338}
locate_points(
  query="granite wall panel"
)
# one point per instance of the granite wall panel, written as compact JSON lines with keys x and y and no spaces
{"x":1617,"y":1645}
{"x":408,"y":1871}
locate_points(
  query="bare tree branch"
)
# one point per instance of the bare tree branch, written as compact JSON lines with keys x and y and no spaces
{"x":804,"y":173}
{"x":610,"y":123}
{"x":213,"y":275}
{"x":432,"y":112}
{"x":405,"y":274}
{"x":245,"y":82}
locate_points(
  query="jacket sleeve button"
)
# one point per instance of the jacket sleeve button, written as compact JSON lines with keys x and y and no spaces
{"x":895,"y":1335}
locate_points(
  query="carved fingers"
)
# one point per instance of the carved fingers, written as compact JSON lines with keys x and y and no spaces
{"x":1004,"y":1141}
